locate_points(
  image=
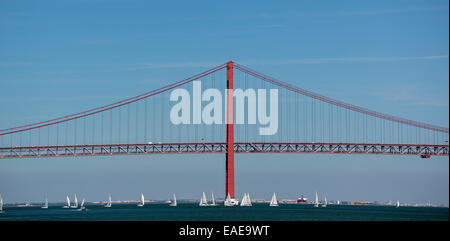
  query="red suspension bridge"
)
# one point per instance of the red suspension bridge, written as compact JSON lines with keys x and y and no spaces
{"x":308,"y":123}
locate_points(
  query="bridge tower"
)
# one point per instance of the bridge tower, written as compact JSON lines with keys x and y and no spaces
{"x":229,"y":175}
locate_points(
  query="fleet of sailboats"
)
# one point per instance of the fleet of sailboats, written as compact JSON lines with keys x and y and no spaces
{"x":246,"y":201}
{"x":141,"y":204}
{"x":273,"y":201}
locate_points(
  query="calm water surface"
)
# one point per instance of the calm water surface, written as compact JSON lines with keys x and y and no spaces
{"x":258,"y":212}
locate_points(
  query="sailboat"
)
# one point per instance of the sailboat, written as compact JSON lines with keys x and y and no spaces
{"x":316,"y":202}
{"x":325,"y":202}
{"x":249,"y":200}
{"x":246,"y":201}
{"x":46,"y":204}
{"x":82,"y":207}
{"x":1,"y":204}
{"x":203,"y":201}
{"x":174,"y":203}
{"x":142,"y":200}
{"x":398,"y":204}
{"x":75,"y":205}
{"x":67,"y":202}
{"x":108,"y":204}
{"x":230,"y":201}
{"x":273,"y":201}
{"x":213,"y":201}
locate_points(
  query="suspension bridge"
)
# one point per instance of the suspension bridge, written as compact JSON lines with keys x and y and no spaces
{"x":307,"y":123}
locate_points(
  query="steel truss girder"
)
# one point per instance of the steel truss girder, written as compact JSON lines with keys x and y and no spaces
{"x":239,"y":147}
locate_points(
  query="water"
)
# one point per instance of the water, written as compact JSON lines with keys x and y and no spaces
{"x":258,"y":212}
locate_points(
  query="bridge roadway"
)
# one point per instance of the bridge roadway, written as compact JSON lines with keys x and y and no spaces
{"x":423,"y":150}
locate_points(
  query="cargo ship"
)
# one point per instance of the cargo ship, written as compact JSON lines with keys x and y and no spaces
{"x":302,"y":200}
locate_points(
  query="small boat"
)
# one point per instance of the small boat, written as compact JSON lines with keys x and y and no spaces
{"x":213,"y":200}
{"x":316,"y":202}
{"x":82,"y":207}
{"x":174,"y":203}
{"x":27,"y":204}
{"x":273,"y":201}
{"x":67,"y":202}
{"x":246,"y":201}
{"x":325,"y":202}
{"x":75,"y":205}
{"x":398,"y":204}
{"x":108,"y":204}
{"x":203,"y":201}
{"x":142,"y":200}
{"x":45,"y":204}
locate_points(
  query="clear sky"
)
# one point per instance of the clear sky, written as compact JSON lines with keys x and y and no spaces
{"x":61,"y":57}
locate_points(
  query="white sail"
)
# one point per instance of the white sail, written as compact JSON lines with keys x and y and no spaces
{"x":67,"y":202}
{"x":227,"y":200}
{"x":1,"y":203}
{"x":174,"y":203}
{"x":46,"y":204}
{"x":109,"y":203}
{"x":203,"y":201}
{"x":142,"y":200}
{"x":274,"y":202}
{"x":316,"y":202}
{"x":398,"y":204}
{"x":75,"y":205}
{"x":213,"y":201}
{"x":246,"y":201}
{"x":82,"y":207}
{"x":325,"y":202}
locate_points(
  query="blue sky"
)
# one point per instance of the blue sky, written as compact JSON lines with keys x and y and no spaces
{"x":61,"y":57}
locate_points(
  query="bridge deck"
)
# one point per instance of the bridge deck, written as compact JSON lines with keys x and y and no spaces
{"x":239,"y":147}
